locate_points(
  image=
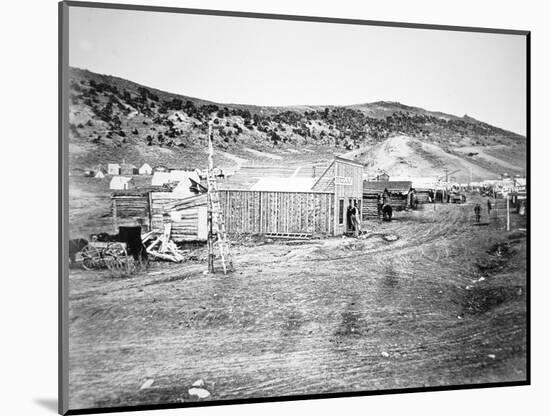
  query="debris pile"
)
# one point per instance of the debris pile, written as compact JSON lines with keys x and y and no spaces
{"x":162,"y":247}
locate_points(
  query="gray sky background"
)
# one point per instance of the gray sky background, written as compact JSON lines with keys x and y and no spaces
{"x":268,"y":62}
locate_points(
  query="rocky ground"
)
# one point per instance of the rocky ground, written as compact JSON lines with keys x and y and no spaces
{"x":429,"y":299}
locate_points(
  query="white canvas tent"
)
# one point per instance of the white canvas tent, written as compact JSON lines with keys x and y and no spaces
{"x":145,"y":169}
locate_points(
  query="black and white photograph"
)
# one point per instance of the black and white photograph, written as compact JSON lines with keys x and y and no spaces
{"x":273,"y":207}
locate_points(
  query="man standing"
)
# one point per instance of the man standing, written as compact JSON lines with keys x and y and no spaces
{"x":349,"y":215}
{"x":489,"y":206}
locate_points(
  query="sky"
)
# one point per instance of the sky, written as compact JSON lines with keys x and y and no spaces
{"x":273,"y":62}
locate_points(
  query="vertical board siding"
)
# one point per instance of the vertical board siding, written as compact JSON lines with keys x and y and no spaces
{"x":260,"y":212}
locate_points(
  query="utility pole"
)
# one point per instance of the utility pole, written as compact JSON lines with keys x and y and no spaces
{"x":508,"y":212}
{"x":209,"y":202}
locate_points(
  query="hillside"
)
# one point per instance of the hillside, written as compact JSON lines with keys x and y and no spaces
{"x":113,"y":119}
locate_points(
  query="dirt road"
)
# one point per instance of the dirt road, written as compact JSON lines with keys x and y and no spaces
{"x":439,"y":302}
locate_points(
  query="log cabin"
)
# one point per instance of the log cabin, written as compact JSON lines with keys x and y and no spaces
{"x":398,"y":190}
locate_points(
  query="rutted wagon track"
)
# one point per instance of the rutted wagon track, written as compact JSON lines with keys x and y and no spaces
{"x":438,"y":306}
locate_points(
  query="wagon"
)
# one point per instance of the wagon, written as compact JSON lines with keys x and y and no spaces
{"x":457,"y":198}
{"x":105,"y":255}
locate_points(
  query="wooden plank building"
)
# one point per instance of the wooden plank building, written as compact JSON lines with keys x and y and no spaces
{"x":344,"y":179}
{"x":150,"y":209}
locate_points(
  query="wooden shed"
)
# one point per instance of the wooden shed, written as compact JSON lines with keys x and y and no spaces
{"x":151,"y":209}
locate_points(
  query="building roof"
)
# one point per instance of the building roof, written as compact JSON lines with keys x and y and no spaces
{"x":353,"y":162}
{"x":392,"y":186}
{"x":420,"y":182}
{"x":278,"y":184}
{"x":120,"y":180}
{"x":247,"y":176}
{"x":161,"y":168}
{"x":175,"y":176}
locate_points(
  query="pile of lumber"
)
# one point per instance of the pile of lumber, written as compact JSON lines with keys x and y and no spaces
{"x":161,"y":246}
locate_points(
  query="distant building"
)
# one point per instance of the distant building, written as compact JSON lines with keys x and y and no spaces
{"x":121,"y":183}
{"x":128,"y":169}
{"x":383,"y":177}
{"x":160,"y":168}
{"x":113,"y":169}
{"x":100,"y":174}
{"x":145,"y":169}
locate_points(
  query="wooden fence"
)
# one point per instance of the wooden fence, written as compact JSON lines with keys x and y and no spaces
{"x":261,"y":212}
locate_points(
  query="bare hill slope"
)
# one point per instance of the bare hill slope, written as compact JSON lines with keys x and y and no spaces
{"x":112,"y":119}
{"x":407,"y":156}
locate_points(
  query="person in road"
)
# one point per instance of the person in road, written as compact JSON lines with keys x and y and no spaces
{"x":489,"y":206}
{"x":477,"y":212}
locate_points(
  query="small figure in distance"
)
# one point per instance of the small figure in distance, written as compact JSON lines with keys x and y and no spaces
{"x":477,"y":212}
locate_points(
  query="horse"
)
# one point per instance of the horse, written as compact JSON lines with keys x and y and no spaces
{"x":76,"y":245}
{"x":387,"y":212}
